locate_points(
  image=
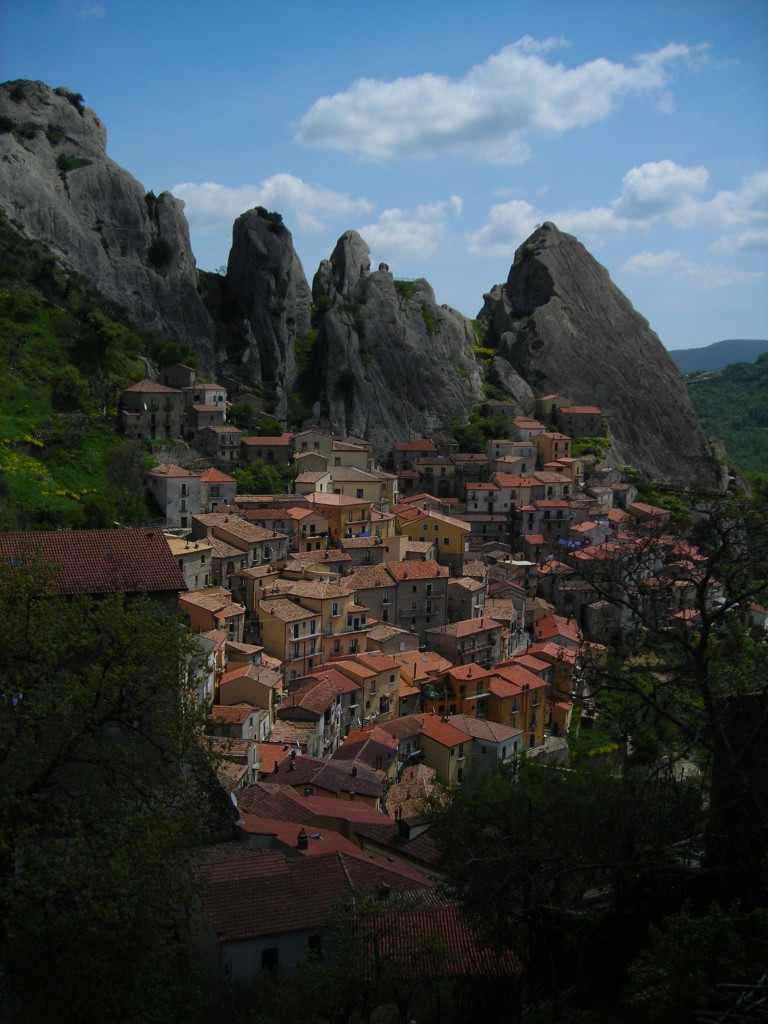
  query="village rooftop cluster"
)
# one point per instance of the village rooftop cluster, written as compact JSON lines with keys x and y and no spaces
{"x":367,"y":634}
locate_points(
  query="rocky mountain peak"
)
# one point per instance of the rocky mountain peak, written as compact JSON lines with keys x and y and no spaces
{"x":565,"y":327}
{"x":269,"y":295}
{"x":344,"y":274}
{"x":58,"y":185}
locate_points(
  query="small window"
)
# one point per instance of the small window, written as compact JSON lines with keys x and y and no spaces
{"x":270,"y":958}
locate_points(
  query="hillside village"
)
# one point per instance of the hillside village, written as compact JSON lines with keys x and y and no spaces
{"x":371,"y":632}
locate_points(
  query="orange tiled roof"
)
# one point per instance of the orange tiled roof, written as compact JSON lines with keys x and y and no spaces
{"x":414,"y":570}
{"x":215,"y":476}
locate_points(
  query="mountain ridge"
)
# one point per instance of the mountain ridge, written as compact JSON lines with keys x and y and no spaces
{"x":387,"y":362}
{"x":719,"y":354}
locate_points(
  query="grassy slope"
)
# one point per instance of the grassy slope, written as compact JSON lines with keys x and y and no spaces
{"x":65,"y":355}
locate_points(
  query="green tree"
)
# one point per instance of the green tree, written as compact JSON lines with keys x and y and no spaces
{"x":100,"y":803}
{"x":566,"y":867}
{"x":701,"y":687}
{"x":126,"y":467}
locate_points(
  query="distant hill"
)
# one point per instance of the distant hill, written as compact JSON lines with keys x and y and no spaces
{"x":718,"y":355}
{"x":732,"y":404}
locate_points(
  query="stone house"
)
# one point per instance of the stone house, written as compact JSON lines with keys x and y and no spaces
{"x":177,"y":492}
{"x":421,"y":594}
{"x":478,"y":640}
{"x":276,"y":451}
{"x":149,"y":410}
{"x":216,"y":489}
{"x":222,"y":442}
{"x":193,"y":559}
{"x":494,"y":743}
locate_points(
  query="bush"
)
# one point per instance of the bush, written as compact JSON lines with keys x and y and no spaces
{"x":66,"y":162}
{"x":159,"y":252}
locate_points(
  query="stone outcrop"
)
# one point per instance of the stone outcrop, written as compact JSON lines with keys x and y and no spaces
{"x":563,"y":326}
{"x":393,"y":364}
{"x":58,"y":185}
{"x":269,"y":298}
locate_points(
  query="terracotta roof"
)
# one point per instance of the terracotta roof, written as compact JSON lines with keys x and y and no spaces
{"x":336,"y":777}
{"x":441,"y":732}
{"x":215,"y":476}
{"x":130,"y":561}
{"x":286,"y":611}
{"x":168,"y":470}
{"x":420,"y":665}
{"x":518,"y":676}
{"x":415,"y":570}
{"x":406,"y":795}
{"x":250,"y":894}
{"x":235,"y":525}
{"x":152,"y":387}
{"x":269,"y":442}
{"x":235,"y":713}
{"x":482,"y":729}
{"x":316,"y":696}
{"x":415,"y":446}
{"x":465,"y":627}
{"x":255,"y":673}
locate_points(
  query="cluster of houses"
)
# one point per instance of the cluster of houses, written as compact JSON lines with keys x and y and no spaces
{"x":372,"y":632}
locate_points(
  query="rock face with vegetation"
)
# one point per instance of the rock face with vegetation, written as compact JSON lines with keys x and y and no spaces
{"x":391,"y":363}
{"x":565,"y":327}
{"x":268,"y":298}
{"x":58,"y":185}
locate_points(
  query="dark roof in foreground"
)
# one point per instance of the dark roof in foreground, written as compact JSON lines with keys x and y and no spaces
{"x":127,"y":560}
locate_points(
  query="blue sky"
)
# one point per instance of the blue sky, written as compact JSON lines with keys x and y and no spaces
{"x":445,"y":132}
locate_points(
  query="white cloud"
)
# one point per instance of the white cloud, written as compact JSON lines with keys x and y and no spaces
{"x":488,"y":113}
{"x":659,"y":188}
{"x":212,"y":208}
{"x":741,"y":215}
{"x":676,"y":267}
{"x":653,"y":192}
{"x":508,"y":224}
{"x":653,"y":264}
{"x":96,"y":11}
{"x":411,"y":234}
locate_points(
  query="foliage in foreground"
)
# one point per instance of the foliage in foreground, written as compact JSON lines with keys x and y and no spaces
{"x":100,"y":804}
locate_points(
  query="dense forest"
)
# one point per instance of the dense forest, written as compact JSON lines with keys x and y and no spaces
{"x":733,"y":406}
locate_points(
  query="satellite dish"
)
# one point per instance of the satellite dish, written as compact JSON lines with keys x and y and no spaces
{"x":233,"y":798}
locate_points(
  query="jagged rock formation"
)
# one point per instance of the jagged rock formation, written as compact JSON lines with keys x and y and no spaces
{"x":393,"y":365}
{"x":58,"y":185}
{"x":269,"y":298}
{"x":565,"y":327}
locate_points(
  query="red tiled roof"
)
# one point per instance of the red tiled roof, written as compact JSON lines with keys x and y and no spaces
{"x":252,"y":894}
{"x":432,"y":942}
{"x":415,"y":446}
{"x":215,"y":476}
{"x":414,"y":570}
{"x":128,"y":561}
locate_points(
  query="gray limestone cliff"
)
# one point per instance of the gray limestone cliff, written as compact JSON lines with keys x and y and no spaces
{"x":58,"y":185}
{"x":562,"y":325}
{"x":392,"y":363}
{"x":269,"y":298}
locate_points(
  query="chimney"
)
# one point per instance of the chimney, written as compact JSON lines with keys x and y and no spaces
{"x":275,"y":768}
{"x":302,"y":841}
{"x":383,"y":893}
{"x":291,"y":765}
{"x":354,"y":771}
